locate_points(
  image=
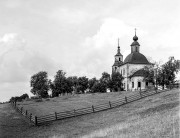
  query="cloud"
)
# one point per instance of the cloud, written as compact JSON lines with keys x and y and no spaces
{"x":10,"y":41}
{"x":18,"y":63}
{"x":99,"y":49}
{"x":65,"y":15}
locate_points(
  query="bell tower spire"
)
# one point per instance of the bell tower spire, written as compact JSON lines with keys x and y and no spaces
{"x":118,"y":56}
{"x":118,"y":50}
{"x":118,"y":59}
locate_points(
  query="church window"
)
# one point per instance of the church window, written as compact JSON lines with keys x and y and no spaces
{"x":139,"y":84}
{"x":115,"y":68}
{"x":136,"y":49}
{"x":132,"y":84}
{"x":119,"y":59}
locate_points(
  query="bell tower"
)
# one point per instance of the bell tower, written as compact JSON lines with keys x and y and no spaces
{"x":118,"y":59}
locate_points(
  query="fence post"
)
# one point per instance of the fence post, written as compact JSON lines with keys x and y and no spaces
{"x":93,"y":108}
{"x":126,"y":99}
{"x":30,"y":116}
{"x":55,"y":115}
{"x":109,"y":104}
{"x":156,"y":89}
{"x":15,"y":103}
{"x":21,"y":109}
{"x":36,"y":120}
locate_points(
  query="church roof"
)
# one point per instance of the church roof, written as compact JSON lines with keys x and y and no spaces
{"x":136,"y":58}
{"x":140,"y":72}
{"x":135,"y":43}
{"x":118,"y":54}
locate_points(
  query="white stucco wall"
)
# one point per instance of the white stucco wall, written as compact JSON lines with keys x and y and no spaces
{"x":129,"y":70}
{"x":136,"y":80}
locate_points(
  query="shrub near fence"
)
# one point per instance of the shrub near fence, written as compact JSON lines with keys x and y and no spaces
{"x":82,"y":111}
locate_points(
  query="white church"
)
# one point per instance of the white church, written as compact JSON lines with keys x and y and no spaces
{"x":131,"y":67}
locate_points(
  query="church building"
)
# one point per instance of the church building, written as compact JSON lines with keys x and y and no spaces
{"x":132,"y":67}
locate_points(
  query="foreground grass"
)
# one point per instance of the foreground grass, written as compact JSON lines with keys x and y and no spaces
{"x":154,"y":116}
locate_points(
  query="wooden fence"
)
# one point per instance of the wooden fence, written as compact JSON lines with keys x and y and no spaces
{"x":82,"y":111}
{"x":26,"y":113}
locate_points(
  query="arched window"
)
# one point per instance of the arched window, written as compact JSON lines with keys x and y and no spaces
{"x":119,"y":59}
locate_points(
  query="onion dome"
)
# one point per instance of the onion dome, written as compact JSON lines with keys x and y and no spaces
{"x":136,"y":58}
{"x":135,"y":38}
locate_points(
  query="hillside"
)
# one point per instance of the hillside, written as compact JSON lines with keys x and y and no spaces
{"x":154,"y":116}
{"x":70,"y":102}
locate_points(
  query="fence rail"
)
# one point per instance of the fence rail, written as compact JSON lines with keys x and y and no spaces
{"x":82,"y":111}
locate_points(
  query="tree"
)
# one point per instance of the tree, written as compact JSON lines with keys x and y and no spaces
{"x":82,"y":84}
{"x":164,"y":74}
{"x":39,"y":84}
{"x":149,"y":73}
{"x":73,"y":83}
{"x":116,"y":81}
{"x":105,"y":80}
{"x":91,"y":83}
{"x":105,"y":77}
{"x":19,"y":98}
{"x":99,"y":87}
{"x":24,"y":96}
{"x":59,"y":85}
{"x":170,"y":69}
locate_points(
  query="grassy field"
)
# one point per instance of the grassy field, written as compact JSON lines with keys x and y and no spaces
{"x":70,"y":102}
{"x":154,"y":116}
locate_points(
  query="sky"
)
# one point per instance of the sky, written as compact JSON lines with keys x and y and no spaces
{"x":80,"y":37}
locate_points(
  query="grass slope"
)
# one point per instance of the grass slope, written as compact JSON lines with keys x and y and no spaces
{"x":70,"y":102}
{"x":154,"y":116}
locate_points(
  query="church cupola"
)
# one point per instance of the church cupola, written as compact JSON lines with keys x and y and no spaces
{"x":135,"y":45}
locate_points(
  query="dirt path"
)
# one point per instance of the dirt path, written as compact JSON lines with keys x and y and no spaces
{"x":11,"y":122}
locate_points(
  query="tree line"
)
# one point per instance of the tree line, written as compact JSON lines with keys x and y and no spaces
{"x":19,"y":98}
{"x":159,"y":75}
{"x":62,"y":84}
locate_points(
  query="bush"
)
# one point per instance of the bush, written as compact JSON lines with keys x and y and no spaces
{"x":38,"y":100}
{"x":47,"y":99}
{"x":36,"y":97}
